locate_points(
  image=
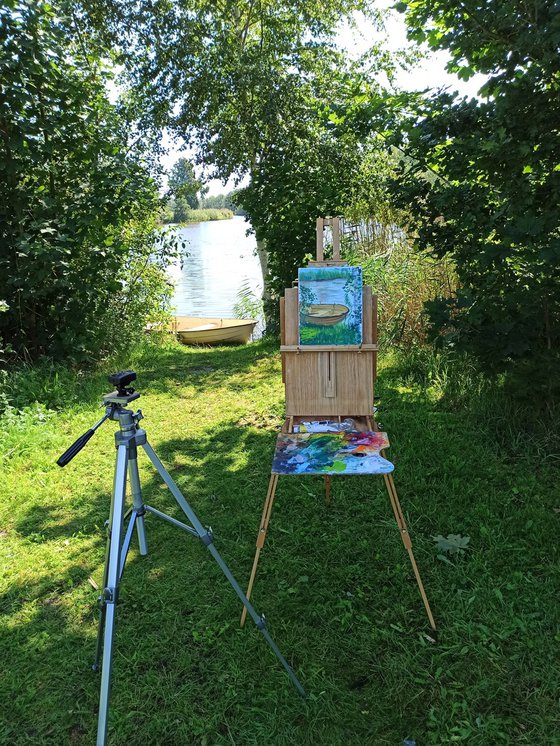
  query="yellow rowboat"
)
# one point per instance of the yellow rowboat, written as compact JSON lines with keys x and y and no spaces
{"x":325,"y":314}
{"x":193,"y":330}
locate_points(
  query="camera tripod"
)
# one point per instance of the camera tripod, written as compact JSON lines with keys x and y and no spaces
{"x":127,"y":440}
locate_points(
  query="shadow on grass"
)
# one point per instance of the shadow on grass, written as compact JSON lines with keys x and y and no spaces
{"x":178,"y":644}
{"x":334,"y":581}
{"x":204,"y":367}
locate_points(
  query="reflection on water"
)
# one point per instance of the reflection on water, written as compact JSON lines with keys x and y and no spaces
{"x":221,"y":260}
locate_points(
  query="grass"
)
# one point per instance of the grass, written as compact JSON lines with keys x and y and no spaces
{"x":335,"y":582}
{"x":338,"y":334}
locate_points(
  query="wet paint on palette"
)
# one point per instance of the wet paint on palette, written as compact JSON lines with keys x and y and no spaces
{"x":331,"y":453}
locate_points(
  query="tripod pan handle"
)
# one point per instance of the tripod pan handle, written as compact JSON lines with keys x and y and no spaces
{"x":75,"y":448}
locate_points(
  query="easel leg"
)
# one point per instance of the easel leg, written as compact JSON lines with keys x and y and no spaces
{"x":261,"y":536}
{"x":327,"y":490}
{"x":401,"y":523}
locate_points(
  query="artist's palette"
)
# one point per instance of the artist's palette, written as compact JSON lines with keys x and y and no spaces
{"x":331,"y":453}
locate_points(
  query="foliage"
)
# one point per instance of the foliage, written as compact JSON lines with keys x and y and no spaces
{"x":3,"y":308}
{"x":262,"y":51}
{"x":483,"y":180}
{"x":452,"y":544}
{"x":402,"y":278}
{"x":82,"y":259}
{"x":180,"y":209}
{"x":247,"y":305}
{"x":183,"y":183}
{"x":166,"y":213}
{"x":185,"y":189}
{"x":202,"y":215}
{"x":198,"y":216}
{"x":276,"y":67}
{"x":300,"y":179}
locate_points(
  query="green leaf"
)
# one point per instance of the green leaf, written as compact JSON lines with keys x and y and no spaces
{"x":451,"y":544}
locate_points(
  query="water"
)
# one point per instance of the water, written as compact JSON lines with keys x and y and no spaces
{"x":331,"y":291}
{"x":221,"y":261}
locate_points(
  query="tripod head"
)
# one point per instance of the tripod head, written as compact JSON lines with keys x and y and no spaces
{"x":122,"y":395}
{"x":114,"y":403}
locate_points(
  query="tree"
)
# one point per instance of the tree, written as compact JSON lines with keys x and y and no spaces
{"x":483,"y":176}
{"x":81,"y":258}
{"x":233,"y":79}
{"x":221,"y":201}
{"x":300,"y":179}
{"x":183,"y":183}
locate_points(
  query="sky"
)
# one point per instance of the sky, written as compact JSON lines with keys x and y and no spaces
{"x":357,"y":40}
{"x":430,"y":73}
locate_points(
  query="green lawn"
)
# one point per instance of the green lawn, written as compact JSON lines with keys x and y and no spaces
{"x":334,"y":582}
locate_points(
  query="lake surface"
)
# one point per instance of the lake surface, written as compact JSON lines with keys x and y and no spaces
{"x":221,"y":261}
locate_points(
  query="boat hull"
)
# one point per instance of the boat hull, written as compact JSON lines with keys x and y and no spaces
{"x":205,"y":331}
{"x":325,"y":314}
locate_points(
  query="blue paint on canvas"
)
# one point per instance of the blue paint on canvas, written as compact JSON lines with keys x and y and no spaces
{"x":330,"y":305}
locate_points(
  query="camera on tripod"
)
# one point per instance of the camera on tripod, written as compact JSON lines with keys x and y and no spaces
{"x":122,"y":395}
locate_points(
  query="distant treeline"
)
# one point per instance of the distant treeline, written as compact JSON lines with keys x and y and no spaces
{"x":217,"y":207}
{"x":222,"y":200}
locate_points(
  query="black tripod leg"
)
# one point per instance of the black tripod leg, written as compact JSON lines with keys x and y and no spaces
{"x":206,"y":538}
{"x":110,"y":590}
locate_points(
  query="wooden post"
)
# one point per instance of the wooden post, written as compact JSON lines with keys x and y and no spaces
{"x":320,"y":229}
{"x":336,"y":238}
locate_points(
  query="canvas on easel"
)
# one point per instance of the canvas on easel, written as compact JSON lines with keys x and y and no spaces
{"x":330,"y":305}
{"x":329,"y":357}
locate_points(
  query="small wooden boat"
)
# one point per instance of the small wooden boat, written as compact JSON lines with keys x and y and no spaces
{"x":325,"y":314}
{"x":192,"y":330}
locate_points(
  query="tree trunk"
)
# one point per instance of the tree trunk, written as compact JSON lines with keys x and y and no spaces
{"x":269,"y":315}
{"x":263,"y":258}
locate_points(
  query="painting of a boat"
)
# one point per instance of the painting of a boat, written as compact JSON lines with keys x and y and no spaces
{"x":330,"y":305}
{"x":326,"y":314}
{"x":193,"y":330}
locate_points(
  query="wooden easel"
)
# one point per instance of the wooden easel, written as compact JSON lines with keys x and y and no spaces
{"x":332,"y":382}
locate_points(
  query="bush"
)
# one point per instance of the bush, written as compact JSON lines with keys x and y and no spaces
{"x":403,"y":279}
{"x":82,"y":263}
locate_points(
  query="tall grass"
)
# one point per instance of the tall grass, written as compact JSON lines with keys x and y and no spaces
{"x":208,"y":213}
{"x":402,"y":278}
{"x":500,"y":405}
